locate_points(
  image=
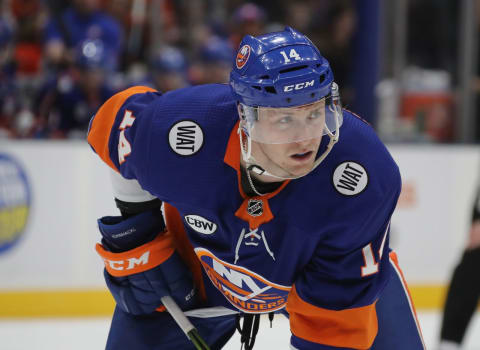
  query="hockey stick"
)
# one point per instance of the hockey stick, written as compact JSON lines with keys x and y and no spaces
{"x":187,"y":327}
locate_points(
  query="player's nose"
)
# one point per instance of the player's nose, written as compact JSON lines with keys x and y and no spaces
{"x":305,"y":133}
{"x":304,"y":143}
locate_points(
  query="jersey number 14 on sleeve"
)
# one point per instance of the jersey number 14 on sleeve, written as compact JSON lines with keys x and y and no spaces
{"x":371,"y":266}
{"x":124,"y":148}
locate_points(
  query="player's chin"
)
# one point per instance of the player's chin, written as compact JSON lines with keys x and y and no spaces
{"x":300,"y":170}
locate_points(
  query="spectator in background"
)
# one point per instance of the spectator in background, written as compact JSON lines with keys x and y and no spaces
{"x":25,"y":68}
{"x":333,"y":34}
{"x":30,"y":17}
{"x":303,"y":13}
{"x":47,"y":32}
{"x":247,"y":19}
{"x":20,"y":67}
{"x":83,"y":20}
{"x":168,"y":68}
{"x":215,"y":60}
{"x":67,"y":103}
{"x":8,"y":103}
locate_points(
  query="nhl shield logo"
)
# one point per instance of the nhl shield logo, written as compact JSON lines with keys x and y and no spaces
{"x":242,"y":56}
{"x":255,"y":207}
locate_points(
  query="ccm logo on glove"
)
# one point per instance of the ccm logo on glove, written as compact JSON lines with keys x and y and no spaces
{"x":132,"y":262}
{"x":136,"y":260}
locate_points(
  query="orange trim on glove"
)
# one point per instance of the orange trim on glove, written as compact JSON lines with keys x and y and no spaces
{"x":137,"y":260}
{"x":354,"y":328}
{"x":102,"y":124}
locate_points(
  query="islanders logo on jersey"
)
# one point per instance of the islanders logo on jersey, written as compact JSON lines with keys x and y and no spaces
{"x":244,"y":289}
{"x":14,"y":201}
{"x":242,"y":56}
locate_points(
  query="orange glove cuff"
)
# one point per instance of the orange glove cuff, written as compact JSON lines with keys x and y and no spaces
{"x":137,"y":260}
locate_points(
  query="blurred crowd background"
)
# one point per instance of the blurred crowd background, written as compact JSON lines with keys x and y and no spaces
{"x":398,"y":64}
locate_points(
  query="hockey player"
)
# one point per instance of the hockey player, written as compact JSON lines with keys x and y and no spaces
{"x":464,"y":290}
{"x":266,"y":206}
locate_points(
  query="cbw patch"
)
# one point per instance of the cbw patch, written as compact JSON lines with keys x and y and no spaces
{"x":350,"y":178}
{"x":200,"y":224}
{"x":185,"y":138}
{"x":244,"y":289}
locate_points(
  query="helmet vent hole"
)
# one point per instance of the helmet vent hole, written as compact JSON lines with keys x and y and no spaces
{"x":312,"y":95}
{"x":289,"y":100}
{"x":256,"y":87}
{"x":322,"y":78}
{"x":264,"y":77}
{"x":270,"y":89}
{"x":293,"y":69}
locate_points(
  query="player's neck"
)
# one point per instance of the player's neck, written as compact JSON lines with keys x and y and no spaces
{"x":256,"y":177}
{"x":261,"y":186}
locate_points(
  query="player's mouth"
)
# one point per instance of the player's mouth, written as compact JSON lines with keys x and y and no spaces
{"x":301,"y":157}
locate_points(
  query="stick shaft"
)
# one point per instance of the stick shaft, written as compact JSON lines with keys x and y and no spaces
{"x":183,"y":322}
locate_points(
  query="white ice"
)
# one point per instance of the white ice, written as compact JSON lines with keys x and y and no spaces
{"x":82,"y":334}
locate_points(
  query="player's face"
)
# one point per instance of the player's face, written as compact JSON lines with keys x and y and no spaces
{"x":292,"y":137}
{"x":287,"y":160}
{"x":288,"y":125}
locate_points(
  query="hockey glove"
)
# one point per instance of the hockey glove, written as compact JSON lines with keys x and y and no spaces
{"x":141,"y":265}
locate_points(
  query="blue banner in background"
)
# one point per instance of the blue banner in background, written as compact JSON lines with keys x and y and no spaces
{"x":366,"y":60}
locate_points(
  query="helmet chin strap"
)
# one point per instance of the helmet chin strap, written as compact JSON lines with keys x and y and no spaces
{"x":246,"y":149}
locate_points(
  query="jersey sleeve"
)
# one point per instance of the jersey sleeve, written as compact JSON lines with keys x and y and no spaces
{"x":119,"y":132}
{"x":332,"y":303}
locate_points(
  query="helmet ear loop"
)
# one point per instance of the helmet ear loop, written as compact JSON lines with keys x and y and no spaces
{"x":246,"y":153}
{"x":334,"y":109}
{"x":334,"y":137}
{"x":245,"y":145}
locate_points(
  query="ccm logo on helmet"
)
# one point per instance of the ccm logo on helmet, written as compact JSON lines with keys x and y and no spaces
{"x":128,"y":264}
{"x":299,"y":86}
{"x":200,"y":224}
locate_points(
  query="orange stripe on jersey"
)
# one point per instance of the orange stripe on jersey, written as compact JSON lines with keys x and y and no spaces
{"x":351,"y":328}
{"x":183,"y":246}
{"x":99,"y":134}
{"x":137,"y":260}
{"x":394,"y":260}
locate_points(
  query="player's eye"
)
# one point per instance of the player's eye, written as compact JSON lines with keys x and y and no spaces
{"x":283,"y":121}
{"x":314,"y":116}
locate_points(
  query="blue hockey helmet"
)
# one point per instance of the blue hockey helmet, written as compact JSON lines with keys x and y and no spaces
{"x":285,"y":93}
{"x":280,"y":69}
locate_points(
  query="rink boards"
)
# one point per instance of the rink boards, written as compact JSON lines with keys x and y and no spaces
{"x":52,"y":192}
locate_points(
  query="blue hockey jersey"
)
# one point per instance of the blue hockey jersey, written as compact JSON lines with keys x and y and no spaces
{"x":317,"y":246}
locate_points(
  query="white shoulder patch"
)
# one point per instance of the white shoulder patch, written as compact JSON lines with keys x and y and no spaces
{"x":350,"y":178}
{"x":185,"y":138}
